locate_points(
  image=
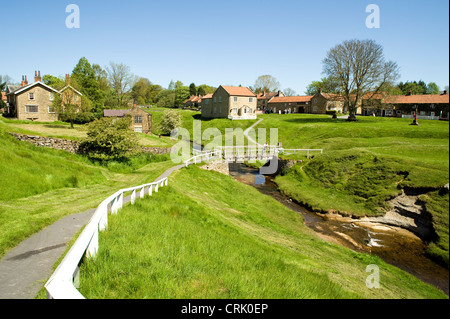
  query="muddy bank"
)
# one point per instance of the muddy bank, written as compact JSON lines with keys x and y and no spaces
{"x":397,"y":237}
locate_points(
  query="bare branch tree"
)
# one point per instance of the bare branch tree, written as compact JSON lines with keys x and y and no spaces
{"x":361,"y":69}
{"x":121,"y":80}
{"x":266,"y":83}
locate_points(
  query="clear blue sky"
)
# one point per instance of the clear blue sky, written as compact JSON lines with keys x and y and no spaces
{"x":228,"y":42}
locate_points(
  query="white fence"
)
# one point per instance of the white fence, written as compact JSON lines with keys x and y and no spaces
{"x":65,"y":280}
{"x":204,"y":156}
{"x":421,"y":117}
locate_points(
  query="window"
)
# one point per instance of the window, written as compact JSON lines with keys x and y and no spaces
{"x":220,"y":99}
{"x":51,"y":109}
{"x":32,"y":108}
{"x":245,"y":110}
{"x":52,"y":96}
{"x":138,"y":119}
{"x":215,"y":111}
{"x":138,"y":129}
{"x":31,"y":96}
{"x":215,"y":99}
{"x":220,"y":109}
{"x":206,"y":101}
{"x":235,"y":110}
{"x":235,"y":99}
{"x":250,"y":99}
{"x":75,"y":97}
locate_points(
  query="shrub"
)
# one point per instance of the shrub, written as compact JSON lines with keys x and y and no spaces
{"x":109,"y":139}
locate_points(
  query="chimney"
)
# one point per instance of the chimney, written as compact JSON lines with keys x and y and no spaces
{"x":24,"y":80}
{"x":134,"y":104}
{"x":37,"y":76}
{"x":444,"y":93}
{"x":67,"y":79}
{"x":409,"y":93}
{"x":320,"y":90}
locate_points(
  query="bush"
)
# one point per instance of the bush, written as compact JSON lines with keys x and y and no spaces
{"x":109,"y":139}
{"x":171,"y":119}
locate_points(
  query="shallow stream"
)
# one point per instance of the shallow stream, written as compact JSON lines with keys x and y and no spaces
{"x":394,"y":245}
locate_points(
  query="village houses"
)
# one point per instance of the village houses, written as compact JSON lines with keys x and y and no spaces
{"x":34,"y":101}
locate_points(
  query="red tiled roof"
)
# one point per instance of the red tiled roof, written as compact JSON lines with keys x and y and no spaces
{"x":207,"y":96}
{"x":291,"y":99}
{"x":266,"y":96}
{"x":417,"y":99}
{"x":238,"y":91}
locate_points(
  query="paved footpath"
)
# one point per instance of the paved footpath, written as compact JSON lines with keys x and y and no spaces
{"x":26,"y":268}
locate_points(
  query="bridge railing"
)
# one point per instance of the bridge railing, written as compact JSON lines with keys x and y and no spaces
{"x":64,"y":281}
{"x":204,"y":156}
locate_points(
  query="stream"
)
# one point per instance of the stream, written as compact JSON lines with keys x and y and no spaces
{"x":394,"y":245}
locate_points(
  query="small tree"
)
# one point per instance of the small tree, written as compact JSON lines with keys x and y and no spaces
{"x":171,"y":119}
{"x":109,"y":139}
{"x":72,"y":107}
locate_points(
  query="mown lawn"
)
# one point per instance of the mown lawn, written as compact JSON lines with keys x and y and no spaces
{"x":223,"y":239}
{"x":38,"y":186}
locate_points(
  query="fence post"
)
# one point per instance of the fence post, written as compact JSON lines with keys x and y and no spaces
{"x":156,"y":188}
{"x":166,"y":181}
{"x":104,"y":220}
{"x":141,"y":193}
{"x":133,"y":196}
{"x":150,"y":190}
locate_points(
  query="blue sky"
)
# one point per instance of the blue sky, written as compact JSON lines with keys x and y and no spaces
{"x":221,"y":42}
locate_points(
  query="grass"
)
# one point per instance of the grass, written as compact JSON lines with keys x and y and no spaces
{"x":366,"y":163}
{"x":211,"y":241}
{"x":41,"y":185}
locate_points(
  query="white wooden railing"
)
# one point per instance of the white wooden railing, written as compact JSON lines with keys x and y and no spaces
{"x":64,"y":282}
{"x":204,"y":156}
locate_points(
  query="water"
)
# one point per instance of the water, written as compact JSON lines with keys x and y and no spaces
{"x":396,"y":246}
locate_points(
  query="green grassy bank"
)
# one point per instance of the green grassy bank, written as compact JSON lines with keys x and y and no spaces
{"x":223,"y":239}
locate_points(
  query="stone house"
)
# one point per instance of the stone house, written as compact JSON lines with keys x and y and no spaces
{"x":231,"y":102}
{"x":321,"y":103}
{"x":263,"y":99}
{"x":34,"y":101}
{"x":141,"y":121}
{"x":427,"y":106}
{"x":289,"y":104}
{"x":205,"y":101}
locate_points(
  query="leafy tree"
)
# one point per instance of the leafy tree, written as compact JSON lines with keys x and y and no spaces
{"x":166,"y":98}
{"x":432,"y":88}
{"x":71,"y":107}
{"x":109,"y":139}
{"x":416,"y":88}
{"x":327,"y":84}
{"x":181,"y":95}
{"x":192,"y":89}
{"x":266,"y":83}
{"x":204,"y":89}
{"x":53,"y":81}
{"x":171,"y":119}
{"x":85,"y":76}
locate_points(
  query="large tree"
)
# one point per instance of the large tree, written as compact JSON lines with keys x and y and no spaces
{"x":121,"y":81}
{"x":266,"y":83}
{"x":327,"y":84}
{"x":84,"y":75}
{"x":361,"y":69}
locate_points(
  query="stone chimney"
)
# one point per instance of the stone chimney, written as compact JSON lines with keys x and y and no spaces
{"x":24,"y":80}
{"x":37,"y":76}
{"x":67,"y":80}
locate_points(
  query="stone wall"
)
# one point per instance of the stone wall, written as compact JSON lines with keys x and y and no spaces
{"x":72,"y":146}
{"x":56,"y":143}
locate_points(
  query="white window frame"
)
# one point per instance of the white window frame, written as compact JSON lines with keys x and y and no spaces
{"x":51,"y":107}
{"x":52,"y":96}
{"x":30,"y":96}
